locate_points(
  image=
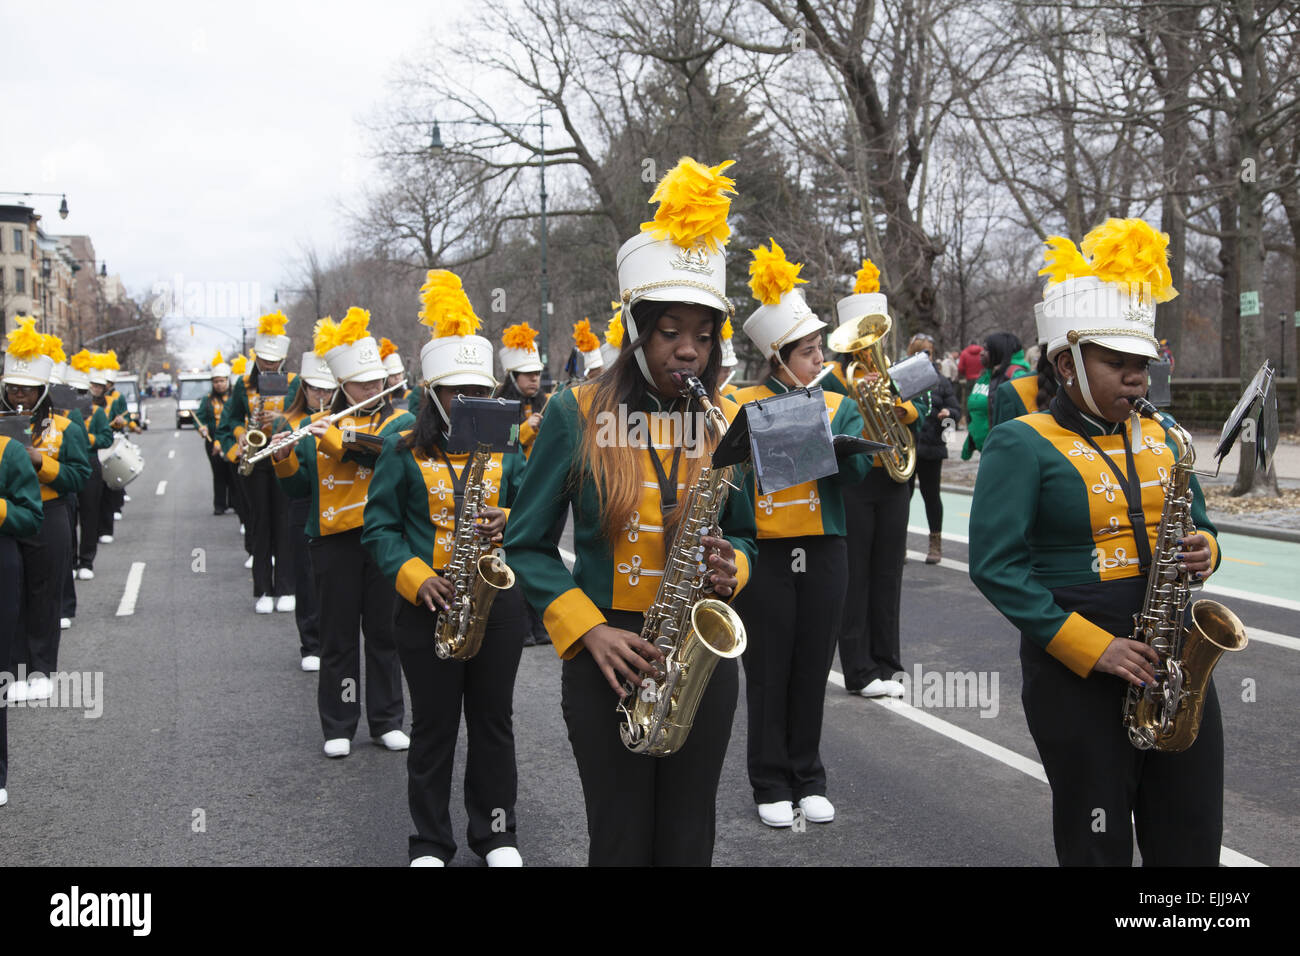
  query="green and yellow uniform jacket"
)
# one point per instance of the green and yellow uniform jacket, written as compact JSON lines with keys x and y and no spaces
{"x":65,"y":456}
{"x":528,"y":434}
{"x":1017,"y":397}
{"x":623,"y":574}
{"x":208,"y":414}
{"x":236,"y":411}
{"x":814,"y":507}
{"x":115,"y":402}
{"x":21,"y":513}
{"x":337,"y":476}
{"x":1047,"y":513}
{"x":410,"y":520}
{"x":98,"y":431}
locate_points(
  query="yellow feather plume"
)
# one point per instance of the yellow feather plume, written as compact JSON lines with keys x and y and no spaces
{"x":24,"y":341}
{"x":110,"y":360}
{"x":771,"y":275}
{"x":52,"y":346}
{"x":354,"y":327}
{"x":445,"y":307}
{"x":238,"y":365}
{"x":614,"y":332}
{"x":727,"y":330}
{"x":583,"y":337}
{"x":324,"y":336}
{"x":83,"y":361}
{"x":519,"y":337}
{"x":1130,"y":252}
{"x":693,"y":205}
{"x":386,"y":348}
{"x":1063,"y":260}
{"x":217,"y":359}
{"x":867,"y":279}
{"x":272,"y":323}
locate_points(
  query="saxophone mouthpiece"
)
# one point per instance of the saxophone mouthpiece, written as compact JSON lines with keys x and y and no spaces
{"x":1144,"y":407}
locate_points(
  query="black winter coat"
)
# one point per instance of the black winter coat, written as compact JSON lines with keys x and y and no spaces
{"x":928,"y":425}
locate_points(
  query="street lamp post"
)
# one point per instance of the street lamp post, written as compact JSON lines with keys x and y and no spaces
{"x":63,"y":205}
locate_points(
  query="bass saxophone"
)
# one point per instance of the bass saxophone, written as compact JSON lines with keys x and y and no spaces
{"x":475,"y":570}
{"x":1166,"y":714}
{"x":693,"y":632}
{"x":862,"y":339}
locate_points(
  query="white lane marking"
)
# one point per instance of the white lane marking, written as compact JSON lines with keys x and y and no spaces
{"x":1031,"y":768}
{"x":1268,"y":637}
{"x":1258,"y":598}
{"x":133,"y":578}
{"x":162,"y":488}
{"x":945,"y":563}
{"x":947,"y":535}
{"x":172,"y":453}
{"x":176,"y":434}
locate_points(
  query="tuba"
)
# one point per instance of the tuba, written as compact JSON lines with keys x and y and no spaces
{"x":1166,"y":714}
{"x":694,"y":632}
{"x":475,"y":570}
{"x":862,"y":339}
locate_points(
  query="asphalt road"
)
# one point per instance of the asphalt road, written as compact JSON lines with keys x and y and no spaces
{"x":208,"y":748}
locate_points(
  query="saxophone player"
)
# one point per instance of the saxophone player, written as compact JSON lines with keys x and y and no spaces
{"x":627,"y":486}
{"x":1065,"y":515}
{"x":332,"y":466}
{"x":410,"y":529}
{"x":792,"y":607}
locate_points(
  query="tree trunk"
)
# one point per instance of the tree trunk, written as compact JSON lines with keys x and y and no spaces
{"x":1176,"y":89}
{"x":1230,"y":302}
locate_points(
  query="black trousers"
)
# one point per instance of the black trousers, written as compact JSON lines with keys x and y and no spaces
{"x":47,"y":562}
{"x":354,"y":597}
{"x":223,"y":480}
{"x":239,"y":501}
{"x":876,"y":517}
{"x":485,"y":684}
{"x":268,"y":525}
{"x":1099,"y":779}
{"x":304,"y":579}
{"x":11,"y":594}
{"x":641,"y":810}
{"x":69,"y":599}
{"x":791,"y":609}
{"x":927,"y":476}
{"x":88,"y":514}
{"x":110,"y":502}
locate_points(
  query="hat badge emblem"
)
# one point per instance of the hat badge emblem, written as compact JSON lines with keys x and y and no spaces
{"x":694,"y":259}
{"x":368,"y":353}
{"x":467,"y":355}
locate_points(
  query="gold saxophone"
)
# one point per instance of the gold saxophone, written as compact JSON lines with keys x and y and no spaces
{"x":1166,"y":715}
{"x":693,"y":632}
{"x":475,"y":570}
{"x":254,"y":438}
{"x":862,"y":339}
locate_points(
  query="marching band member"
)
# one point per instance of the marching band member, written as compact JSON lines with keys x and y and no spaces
{"x":268,"y":512}
{"x":1004,"y":360}
{"x":729,"y":361}
{"x":111,"y":500}
{"x":523,"y":367}
{"x":333,"y":465}
{"x":314,"y":395}
{"x":791,"y":607}
{"x":1025,"y":393}
{"x":53,"y":347}
{"x":208,"y":415}
{"x":410,"y":528}
{"x":388,"y":354}
{"x":613,"y":344}
{"x":59,"y":452}
{"x":21,"y":516}
{"x":588,"y":347}
{"x":100,"y":436}
{"x":627,"y":489}
{"x":1063,"y":524}
{"x":876,"y":513}
{"x":238,"y":368}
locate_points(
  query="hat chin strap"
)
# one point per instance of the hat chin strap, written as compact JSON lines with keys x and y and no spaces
{"x":433,"y":397}
{"x":630,"y":325}
{"x":1083,"y":381}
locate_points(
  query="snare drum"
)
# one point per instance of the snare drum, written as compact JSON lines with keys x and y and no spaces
{"x":122,"y":464}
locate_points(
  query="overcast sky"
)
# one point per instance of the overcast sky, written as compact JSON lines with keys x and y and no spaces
{"x":206,"y":140}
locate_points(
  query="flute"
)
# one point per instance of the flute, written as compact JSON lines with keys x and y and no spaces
{"x":285,"y":439}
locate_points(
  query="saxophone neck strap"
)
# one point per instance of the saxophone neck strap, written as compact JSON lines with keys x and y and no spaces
{"x":667,"y":482}
{"x":1068,"y":416}
{"x":457,"y":481}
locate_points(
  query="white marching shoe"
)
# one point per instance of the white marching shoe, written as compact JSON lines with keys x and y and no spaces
{"x":40,"y":688}
{"x":86,"y":574}
{"x":338,"y":747}
{"x":265,"y":604}
{"x":418,"y":861}
{"x":779,"y":814}
{"x":65,"y":623}
{"x":311,"y":663}
{"x":249,"y":563}
{"x":105,"y":539}
{"x":286,"y":602}
{"x":504,"y":856}
{"x":883,"y":688}
{"x":817,"y":809}
{"x":117,"y":516}
{"x":4,"y":798}
{"x":394,"y":740}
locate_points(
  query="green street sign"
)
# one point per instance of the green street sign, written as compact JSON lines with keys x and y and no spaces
{"x":1250,"y":303}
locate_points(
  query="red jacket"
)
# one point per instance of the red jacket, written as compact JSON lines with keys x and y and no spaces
{"x":969,"y":365}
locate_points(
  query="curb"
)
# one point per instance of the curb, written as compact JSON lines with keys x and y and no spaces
{"x":1231,"y":527}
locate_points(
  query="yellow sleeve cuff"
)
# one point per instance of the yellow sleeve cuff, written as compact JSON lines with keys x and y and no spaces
{"x":1214,"y":548}
{"x":410,"y":576}
{"x":232,"y":456}
{"x":567,"y":618}
{"x":1079,"y":643}
{"x":331,"y":443}
{"x":742,"y":572}
{"x":526,"y":434}
{"x":288,"y":467}
{"x":910,"y":414}
{"x":4,"y":510}
{"x":49,"y":469}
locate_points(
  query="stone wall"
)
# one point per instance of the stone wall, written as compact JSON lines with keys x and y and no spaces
{"x":1205,"y":403}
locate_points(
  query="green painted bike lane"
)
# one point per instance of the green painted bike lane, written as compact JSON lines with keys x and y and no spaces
{"x":1258,"y":565}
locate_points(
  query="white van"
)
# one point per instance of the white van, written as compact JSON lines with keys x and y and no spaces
{"x":128,"y":383}
{"x":193,"y":386}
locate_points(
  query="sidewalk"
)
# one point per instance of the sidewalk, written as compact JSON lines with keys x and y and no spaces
{"x":1264,"y":517}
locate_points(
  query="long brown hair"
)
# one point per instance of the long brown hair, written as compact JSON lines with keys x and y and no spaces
{"x":617,"y":469}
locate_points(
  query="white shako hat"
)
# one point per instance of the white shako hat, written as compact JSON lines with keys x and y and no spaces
{"x":1107,"y":293}
{"x":679,"y":255}
{"x":271,"y":342}
{"x":347,"y":346}
{"x":865,"y":299}
{"x":454,"y":355}
{"x":393,"y":364}
{"x":517,"y":352}
{"x":315,"y":371}
{"x":220,"y":367}
{"x":78,"y":373}
{"x":613,"y":344}
{"x":591,"y":354}
{"x":728,"y":347}
{"x":25,"y":360}
{"x":59,"y":373}
{"x":98,"y":373}
{"x":782,"y":316}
